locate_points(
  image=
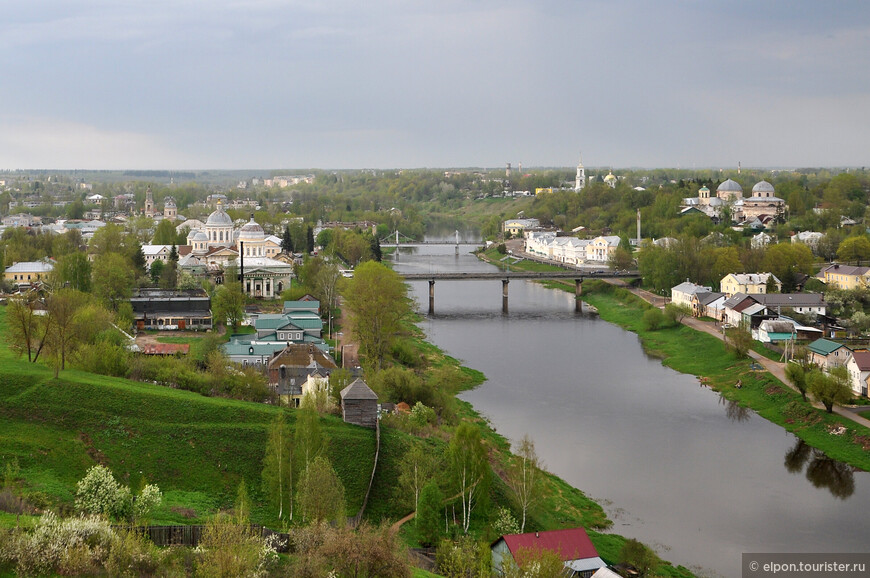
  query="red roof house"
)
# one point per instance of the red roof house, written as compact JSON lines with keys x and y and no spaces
{"x":573,"y":546}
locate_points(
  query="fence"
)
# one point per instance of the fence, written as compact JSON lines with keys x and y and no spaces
{"x":354,"y":522}
{"x":190,"y":536}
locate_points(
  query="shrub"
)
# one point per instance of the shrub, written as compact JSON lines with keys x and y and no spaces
{"x":229,"y":548}
{"x":74,"y":546}
{"x":100,"y":494}
{"x":653,"y":319}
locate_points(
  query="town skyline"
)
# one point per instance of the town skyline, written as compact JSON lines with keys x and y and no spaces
{"x":182,"y":85}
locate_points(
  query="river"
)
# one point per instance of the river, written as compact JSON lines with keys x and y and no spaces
{"x":673,"y":464}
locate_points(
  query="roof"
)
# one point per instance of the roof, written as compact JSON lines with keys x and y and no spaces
{"x":690,"y":288}
{"x":31,"y":267}
{"x":762,"y":187}
{"x":302,"y":355}
{"x":570,"y":544}
{"x":306,"y":305}
{"x":709,"y":297}
{"x":730,"y":186}
{"x":791,"y":299}
{"x":605,"y":572}
{"x":739,"y":302}
{"x":824,"y":346}
{"x":753,"y":278}
{"x":862,"y":359}
{"x":358,"y":390}
{"x":219,"y":218}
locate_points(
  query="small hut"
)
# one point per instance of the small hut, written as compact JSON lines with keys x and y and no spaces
{"x":359,"y":404}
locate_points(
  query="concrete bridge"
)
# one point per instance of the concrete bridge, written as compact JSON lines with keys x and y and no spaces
{"x":505,"y":277}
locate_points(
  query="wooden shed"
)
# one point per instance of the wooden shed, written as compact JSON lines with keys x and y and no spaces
{"x":359,"y":404}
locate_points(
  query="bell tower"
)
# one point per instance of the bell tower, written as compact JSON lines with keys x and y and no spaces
{"x":580,"y":181}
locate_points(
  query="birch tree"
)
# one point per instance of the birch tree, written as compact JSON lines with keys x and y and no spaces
{"x":278,"y":466}
{"x":524,"y":477}
{"x":469,"y":467}
{"x":415,"y":471}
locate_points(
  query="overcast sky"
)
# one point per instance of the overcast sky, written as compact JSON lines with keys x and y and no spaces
{"x":198,"y":84}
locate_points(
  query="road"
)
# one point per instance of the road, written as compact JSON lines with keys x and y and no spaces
{"x":776,"y":368}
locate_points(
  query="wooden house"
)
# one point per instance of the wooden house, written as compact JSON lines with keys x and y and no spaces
{"x":359,"y":404}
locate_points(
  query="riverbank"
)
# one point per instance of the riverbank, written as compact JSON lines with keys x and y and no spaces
{"x":692,"y":351}
{"x":562,"y":505}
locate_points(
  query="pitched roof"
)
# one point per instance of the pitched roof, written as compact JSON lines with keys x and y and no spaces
{"x":302,"y":355}
{"x":862,"y":359}
{"x":358,"y":390}
{"x":165,"y":348}
{"x":31,"y":267}
{"x":570,"y":544}
{"x":708,"y":297}
{"x":824,"y":346}
{"x":753,"y":278}
{"x":791,"y":299}
{"x":690,"y":288}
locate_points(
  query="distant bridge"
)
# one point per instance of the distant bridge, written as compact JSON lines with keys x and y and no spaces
{"x":398,"y":239}
{"x":506,"y":276}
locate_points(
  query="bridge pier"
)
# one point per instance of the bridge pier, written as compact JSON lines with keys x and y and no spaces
{"x":578,"y":293}
{"x":504,"y":295}
{"x":431,"y":296}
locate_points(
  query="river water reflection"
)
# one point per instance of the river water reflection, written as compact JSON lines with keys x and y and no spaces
{"x":674,"y":465}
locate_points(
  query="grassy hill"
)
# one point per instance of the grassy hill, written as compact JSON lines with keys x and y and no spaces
{"x":197,"y":449}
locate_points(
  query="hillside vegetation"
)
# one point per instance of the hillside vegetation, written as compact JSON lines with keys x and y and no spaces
{"x":197,"y":449}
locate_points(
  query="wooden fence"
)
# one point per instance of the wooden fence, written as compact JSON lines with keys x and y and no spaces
{"x":354,"y":522}
{"x":190,"y":536}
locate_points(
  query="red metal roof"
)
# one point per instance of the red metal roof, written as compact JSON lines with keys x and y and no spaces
{"x":571,"y":544}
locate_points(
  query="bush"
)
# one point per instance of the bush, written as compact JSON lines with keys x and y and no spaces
{"x":653,"y":319}
{"x":228,"y":548}
{"x":75,"y":546}
{"x":98,"y":493}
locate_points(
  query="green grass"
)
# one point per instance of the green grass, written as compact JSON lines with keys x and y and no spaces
{"x":197,"y":449}
{"x":678,"y":347}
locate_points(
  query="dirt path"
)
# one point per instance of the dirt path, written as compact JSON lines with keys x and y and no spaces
{"x":776,"y":368}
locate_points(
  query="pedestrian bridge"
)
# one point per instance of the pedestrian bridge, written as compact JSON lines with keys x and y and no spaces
{"x":506,"y":276}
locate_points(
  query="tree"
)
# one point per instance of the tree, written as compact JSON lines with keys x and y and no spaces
{"x":228,"y":304}
{"x":169,"y":275}
{"x":157,"y":270}
{"x":469,"y":468}
{"x":524,"y":478}
{"x":428,"y":518}
{"x":99,"y":493}
{"x":638,"y":555}
{"x":278,"y":466}
{"x":795,"y":373}
{"x":164,"y":233}
{"x":72,"y":270}
{"x":321,"y":494}
{"x":377,"y":299}
{"x":112,"y":278}
{"x":64,"y":331}
{"x":308,"y":441}
{"x":309,"y":239}
{"x":415,"y":470}
{"x":830,"y":388}
{"x":621,"y":259}
{"x":464,"y":558}
{"x":535,"y":562}
{"x":675,"y":312}
{"x":854,"y":249}
{"x":786,"y":260}
{"x":287,"y":241}
{"x":739,"y":340}
{"x":326,"y":281}
{"x":25,"y":329}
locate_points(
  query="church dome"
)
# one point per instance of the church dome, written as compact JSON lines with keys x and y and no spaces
{"x":729,"y":186}
{"x":200,"y":236}
{"x":219,"y":218}
{"x":169,"y":202}
{"x":610,"y":177}
{"x":251,"y":231}
{"x":762,"y":187}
